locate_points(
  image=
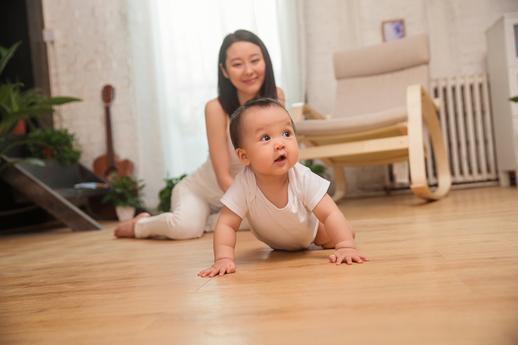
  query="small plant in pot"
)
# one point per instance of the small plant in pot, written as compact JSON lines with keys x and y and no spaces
{"x":58,"y":144}
{"x":124,"y":194}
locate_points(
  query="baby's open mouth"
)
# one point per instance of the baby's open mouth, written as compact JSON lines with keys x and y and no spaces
{"x":280,"y":158}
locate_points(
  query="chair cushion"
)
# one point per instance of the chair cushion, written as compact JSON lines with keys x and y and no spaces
{"x":382,"y":58}
{"x":352,"y":124}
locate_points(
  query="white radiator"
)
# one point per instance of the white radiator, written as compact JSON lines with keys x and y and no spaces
{"x":465,"y":115}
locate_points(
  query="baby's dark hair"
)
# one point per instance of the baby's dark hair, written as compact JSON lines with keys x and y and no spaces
{"x":235,"y":118}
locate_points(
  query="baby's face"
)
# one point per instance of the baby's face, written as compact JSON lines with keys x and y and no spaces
{"x":269,"y":145}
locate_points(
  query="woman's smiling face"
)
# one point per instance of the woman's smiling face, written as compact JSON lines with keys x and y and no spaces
{"x":245,"y":68}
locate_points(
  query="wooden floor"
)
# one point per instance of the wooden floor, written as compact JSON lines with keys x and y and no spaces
{"x":440,"y":273}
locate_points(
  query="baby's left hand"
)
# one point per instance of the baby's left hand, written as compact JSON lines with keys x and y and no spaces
{"x":347,"y":255}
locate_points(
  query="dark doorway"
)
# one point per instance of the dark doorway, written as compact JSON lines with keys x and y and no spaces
{"x":14,"y":28}
{"x":22,"y":21}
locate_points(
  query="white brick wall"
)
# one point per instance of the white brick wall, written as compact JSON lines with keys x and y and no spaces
{"x":91,"y":49}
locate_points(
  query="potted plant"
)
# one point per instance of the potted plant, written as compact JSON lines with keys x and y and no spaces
{"x":164,"y":195}
{"x":124,"y":194}
{"x":321,"y":171}
{"x":58,"y":144}
{"x":18,"y":105}
{"x":318,"y":169}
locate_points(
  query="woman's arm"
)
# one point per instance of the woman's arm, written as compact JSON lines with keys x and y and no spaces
{"x":216,"y":125}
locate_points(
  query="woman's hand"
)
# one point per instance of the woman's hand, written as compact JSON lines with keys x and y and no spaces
{"x":220,"y":267}
{"x":347,"y":255}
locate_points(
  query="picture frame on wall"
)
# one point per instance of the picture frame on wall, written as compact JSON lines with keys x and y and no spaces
{"x":392,"y":29}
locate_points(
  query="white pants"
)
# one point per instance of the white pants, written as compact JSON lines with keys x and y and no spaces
{"x":188,"y":219}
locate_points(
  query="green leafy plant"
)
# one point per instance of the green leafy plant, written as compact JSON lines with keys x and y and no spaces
{"x":124,"y":191}
{"x":514,"y":99}
{"x":165,"y":193}
{"x":58,"y":144}
{"x":318,"y":169}
{"x":18,"y":105}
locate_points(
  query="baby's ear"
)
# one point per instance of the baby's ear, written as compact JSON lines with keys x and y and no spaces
{"x":242,"y":155}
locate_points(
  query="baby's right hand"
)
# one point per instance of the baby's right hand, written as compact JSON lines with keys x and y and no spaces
{"x":220,"y":267}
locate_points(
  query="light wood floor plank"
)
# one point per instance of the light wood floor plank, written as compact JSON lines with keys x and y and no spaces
{"x":440,"y":273}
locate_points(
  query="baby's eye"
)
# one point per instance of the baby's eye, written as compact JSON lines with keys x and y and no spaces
{"x":265,"y":137}
{"x":286,"y":133}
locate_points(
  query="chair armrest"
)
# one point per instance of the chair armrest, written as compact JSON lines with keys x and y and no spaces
{"x":422,"y":110}
{"x":310,"y":113}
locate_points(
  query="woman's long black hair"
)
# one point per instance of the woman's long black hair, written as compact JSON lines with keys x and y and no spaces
{"x":227,"y":92}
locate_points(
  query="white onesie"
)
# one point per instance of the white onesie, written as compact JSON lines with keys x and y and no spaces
{"x":292,"y":227}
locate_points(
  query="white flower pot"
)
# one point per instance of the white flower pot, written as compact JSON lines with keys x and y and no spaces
{"x":125,"y":212}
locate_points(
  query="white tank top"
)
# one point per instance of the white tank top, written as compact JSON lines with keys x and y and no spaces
{"x":203,"y":180}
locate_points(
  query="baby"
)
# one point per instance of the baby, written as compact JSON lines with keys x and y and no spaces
{"x":287,"y":205}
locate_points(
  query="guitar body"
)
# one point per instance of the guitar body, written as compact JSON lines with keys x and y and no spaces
{"x":109,"y":163}
{"x":123,"y":167}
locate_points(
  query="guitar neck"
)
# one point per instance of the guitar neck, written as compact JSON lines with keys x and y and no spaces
{"x":109,"y":139}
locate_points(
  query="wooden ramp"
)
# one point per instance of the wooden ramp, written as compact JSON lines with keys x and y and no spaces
{"x":51,"y":187}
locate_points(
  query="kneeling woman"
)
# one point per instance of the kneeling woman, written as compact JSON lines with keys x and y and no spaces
{"x":244,"y":72}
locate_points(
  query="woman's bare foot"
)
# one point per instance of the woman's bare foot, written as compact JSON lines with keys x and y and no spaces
{"x":127,"y":228}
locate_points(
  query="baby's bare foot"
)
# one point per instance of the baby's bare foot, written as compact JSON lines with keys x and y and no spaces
{"x":127,"y":228}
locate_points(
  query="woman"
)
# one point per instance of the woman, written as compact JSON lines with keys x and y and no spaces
{"x":244,"y":71}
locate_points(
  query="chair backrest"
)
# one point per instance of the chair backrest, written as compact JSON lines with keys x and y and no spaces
{"x":375,"y":78}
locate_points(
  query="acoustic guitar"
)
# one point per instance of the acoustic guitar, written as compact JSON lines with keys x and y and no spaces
{"x":109,"y":163}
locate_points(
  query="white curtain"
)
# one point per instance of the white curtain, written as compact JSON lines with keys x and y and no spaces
{"x":175,"y":48}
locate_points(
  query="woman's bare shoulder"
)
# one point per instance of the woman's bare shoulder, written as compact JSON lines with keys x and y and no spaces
{"x":213,"y":106}
{"x":214,"y":114}
{"x":280,"y":95}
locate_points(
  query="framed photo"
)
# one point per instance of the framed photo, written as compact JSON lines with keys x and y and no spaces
{"x":392,"y":29}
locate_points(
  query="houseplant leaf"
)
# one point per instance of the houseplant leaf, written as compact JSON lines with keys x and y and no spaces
{"x":6,"y":54}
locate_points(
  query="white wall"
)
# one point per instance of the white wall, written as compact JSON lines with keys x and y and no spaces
{"x":457,"y":42}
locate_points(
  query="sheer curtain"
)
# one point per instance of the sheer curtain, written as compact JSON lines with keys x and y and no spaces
{"x":175,"y":46}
